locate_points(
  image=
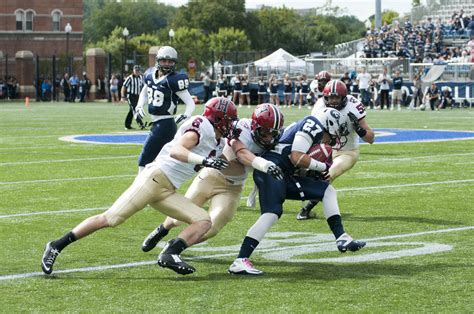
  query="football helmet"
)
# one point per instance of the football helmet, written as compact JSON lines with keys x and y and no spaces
{"x":335,"y":124}
{"x":335,"y":94}
{"x":221,"y":112}
{"x":267,"y":120}
{"x":323,"y":78}
{"x":166,"y":53}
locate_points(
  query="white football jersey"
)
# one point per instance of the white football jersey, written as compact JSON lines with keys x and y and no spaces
{"x":246,"y":138}
{"x":314,"y":88}
{"x":177,"y":171}
{"x":352,"y":105}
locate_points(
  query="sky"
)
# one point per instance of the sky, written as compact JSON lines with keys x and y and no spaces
{"x":362,"y":9}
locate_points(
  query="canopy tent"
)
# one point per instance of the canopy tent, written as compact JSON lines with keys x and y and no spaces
{"x":282,"y":61}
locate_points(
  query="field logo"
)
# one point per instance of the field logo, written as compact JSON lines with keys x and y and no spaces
{"x":382,"y":136}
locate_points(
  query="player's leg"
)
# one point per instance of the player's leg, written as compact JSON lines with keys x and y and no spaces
{"x":223,"y":206}
{"x":198,"y":192}
{"x":271,"y":196}
{"x":161,"y":133}
{"x":135,"y":198}
{"x":343,"y":161}
{"x":322,"y":190}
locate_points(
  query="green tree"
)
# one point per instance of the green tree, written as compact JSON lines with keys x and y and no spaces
{"x":229,"y":39}
{"x":191,"y":43}
{"x":145,"y":16}
{"x":211,"y":15}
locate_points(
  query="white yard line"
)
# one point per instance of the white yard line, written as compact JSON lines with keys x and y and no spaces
{"x":66,"y":211}
{"x":68,"y":179}
{"x":64,"y":160}
{"x":144,"y":263}
{"x":435,"y":157}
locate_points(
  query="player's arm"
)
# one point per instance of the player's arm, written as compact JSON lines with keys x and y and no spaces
{"x":369,"y":137}
{"x":298,"y":156}
{"x":190,"y":105}
{"x":247,"y":158}
{"x":182,"y":152}
{"x":142,"y":101}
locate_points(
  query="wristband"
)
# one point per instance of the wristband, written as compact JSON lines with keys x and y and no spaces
{"x":361,"y":132}
{"x":195,"y":159}
{"x":317,"y":165}
{"x":261,"y":164}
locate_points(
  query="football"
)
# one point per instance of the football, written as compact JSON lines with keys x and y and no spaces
{"x":321,"y":152}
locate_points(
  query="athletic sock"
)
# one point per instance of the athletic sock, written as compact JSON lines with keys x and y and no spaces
{"x":61,"y":243}
{"x":248,"y":246}
{"x":335,"y":223}
{"x":162,"y":230}
{"x":176,"y":246}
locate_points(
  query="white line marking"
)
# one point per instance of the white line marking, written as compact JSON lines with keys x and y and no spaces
{"x":144,"y":263}
{"x":437,"y":158}
{"x":68,"y":179}
{"x":64,"y":211}
{"x":244,"y":197}
{"x":64,"y":160}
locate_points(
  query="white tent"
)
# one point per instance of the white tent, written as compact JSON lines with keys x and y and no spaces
{"x":282,"y":61}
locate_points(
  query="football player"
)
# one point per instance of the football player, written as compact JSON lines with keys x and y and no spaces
{"x":317,"y":85}
{"x":161,"y":91}
{"x":344,"y":158}
{"x":196,"y":144}
{"x":223,"y":188}
{"x":290,"y":154}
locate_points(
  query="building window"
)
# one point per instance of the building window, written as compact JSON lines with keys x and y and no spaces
{"x":20,"y":16}
{"x":56,"y":21}
{"x":29,"y":21}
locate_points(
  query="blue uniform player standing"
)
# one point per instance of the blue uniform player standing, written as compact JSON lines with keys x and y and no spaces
{"x":328,"y":126}
{"x":162,"y":90}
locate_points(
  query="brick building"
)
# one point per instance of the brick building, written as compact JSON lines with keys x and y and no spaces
{"x":39,"y":27}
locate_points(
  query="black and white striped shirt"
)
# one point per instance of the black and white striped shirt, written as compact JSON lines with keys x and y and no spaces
{"x":133,"y":84}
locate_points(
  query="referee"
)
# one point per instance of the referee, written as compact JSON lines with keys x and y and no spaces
{"x":131,"y":89}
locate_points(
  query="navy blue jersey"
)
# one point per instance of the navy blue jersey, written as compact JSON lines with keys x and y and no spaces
{"x":245,"y":87}
{"x":262,"y":88}
{"x":397,"y":82}
{"x":304,"y":87}
{"x":274,"y":87}
{"x":237,"y":85}
{"x":297,"y":86}
{"x":288,"y":86}
{"x":281,"y":154}
{"x":221,"y":85}
{"x":162,"y":98}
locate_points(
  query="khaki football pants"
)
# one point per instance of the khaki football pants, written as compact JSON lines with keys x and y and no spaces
{"x":343,"y":161}
{"x":224,"y":197}
{"x":152,"y":187}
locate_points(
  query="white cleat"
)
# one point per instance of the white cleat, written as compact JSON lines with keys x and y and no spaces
{"x":243,"y":266}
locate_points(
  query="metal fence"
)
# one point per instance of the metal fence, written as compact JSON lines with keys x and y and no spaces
{"x":453,"y":72}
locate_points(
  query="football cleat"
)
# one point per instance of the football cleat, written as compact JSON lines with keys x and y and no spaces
{"x":304,"y":214}
{"x":243,"y":266}
{"x":49,"y":256}
{"x":174,"y":262}
{"x":345,"y":242}
{"x":153,"y":238}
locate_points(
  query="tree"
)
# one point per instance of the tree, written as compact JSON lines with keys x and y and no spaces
{"x":211,"y":15}
{"x":139,"y":17}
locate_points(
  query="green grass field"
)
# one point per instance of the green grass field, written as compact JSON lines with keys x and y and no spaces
{"x":412,"y":203}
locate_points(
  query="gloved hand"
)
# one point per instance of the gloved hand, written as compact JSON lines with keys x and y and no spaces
{"x":139,"y":113}
{"x":180,"y":118}
{"x":275,"y":172}
{"x":214,"y":162}
{"x":356,"y":125}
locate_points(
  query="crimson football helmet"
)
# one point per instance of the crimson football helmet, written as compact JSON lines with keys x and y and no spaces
{"x":267,"y":125}
{"x":166,"y":53}
{"x":221,"y":112}
{"x":335,"y":94}
{"x":323,"y":78}
{"x":335,"y":124}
